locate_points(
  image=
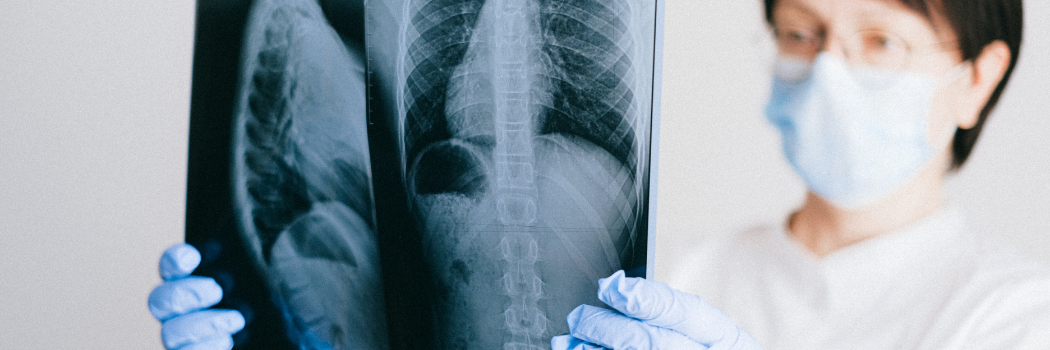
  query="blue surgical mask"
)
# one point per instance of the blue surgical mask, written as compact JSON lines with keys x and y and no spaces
{"x":854,"y":135}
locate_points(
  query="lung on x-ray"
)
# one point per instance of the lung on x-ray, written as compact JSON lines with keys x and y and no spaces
{"x":406,"y":174}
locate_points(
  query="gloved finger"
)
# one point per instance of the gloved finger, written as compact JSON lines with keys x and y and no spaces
{"x":616,"y":331}
{"x":659,"y":305}
{"x":568,"y":342}
{"x":182,"y":296}
{"x":200,"y":326}
{"x":179,"y":261}
{"x":220,"y":343}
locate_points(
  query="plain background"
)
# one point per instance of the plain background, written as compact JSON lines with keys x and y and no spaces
{"x":94,"y":105}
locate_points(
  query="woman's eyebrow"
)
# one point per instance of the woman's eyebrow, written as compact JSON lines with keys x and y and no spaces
{"x":892,"y":20}
{"x":803,"y":8}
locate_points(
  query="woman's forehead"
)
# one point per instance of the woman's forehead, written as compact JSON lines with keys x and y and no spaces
{"x":832,"y":9}
{"x":864,"y":14}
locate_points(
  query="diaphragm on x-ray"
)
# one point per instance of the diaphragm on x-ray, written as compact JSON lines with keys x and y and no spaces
{"x":459,"y":177}
{"x":522,"y":131}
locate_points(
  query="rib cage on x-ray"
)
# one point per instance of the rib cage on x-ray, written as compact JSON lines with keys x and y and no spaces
{"x":520,"y":129}
{"x":302,"y":177}
{"x":521,"y":155}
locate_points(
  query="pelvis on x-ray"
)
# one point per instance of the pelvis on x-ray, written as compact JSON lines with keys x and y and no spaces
{"x":520,"y":131}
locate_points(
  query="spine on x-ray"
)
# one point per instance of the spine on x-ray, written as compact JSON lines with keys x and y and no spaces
{"x":273,"y":186}
{"x":496,"y":76}
{"x":515,"y":191}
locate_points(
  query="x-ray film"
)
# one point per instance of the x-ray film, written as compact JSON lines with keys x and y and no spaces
{"x":405,"y":174}
{"x":520,"y":136}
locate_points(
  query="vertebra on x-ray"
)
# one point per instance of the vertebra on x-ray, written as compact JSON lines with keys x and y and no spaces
{"x":499,"y":166}
{"x":302,"y":177}
{"x":521,"y":145}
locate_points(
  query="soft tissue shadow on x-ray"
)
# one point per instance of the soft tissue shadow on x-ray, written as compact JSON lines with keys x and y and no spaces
{"x":510,"y":159}
{"x":521,"y":131}
{"x":302,"y":177}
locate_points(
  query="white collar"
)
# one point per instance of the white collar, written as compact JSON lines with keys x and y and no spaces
{"x":924,"y":254}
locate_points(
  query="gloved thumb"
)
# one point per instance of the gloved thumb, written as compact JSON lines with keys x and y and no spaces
{"x":179,"y":261}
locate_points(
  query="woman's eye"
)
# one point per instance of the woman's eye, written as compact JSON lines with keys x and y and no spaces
{"x":796,"y":38}
{"x":882,"y":42}
{"x":799,"y":37}
{"x":879,"y":49}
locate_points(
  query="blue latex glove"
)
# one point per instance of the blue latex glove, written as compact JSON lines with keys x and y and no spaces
{"x":181,"y":303}
{"x":651,"y":316}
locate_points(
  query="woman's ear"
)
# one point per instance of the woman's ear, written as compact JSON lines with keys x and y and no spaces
{"x":988,"y":70}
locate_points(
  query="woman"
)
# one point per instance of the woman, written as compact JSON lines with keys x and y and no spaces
{"x":876,"y":101}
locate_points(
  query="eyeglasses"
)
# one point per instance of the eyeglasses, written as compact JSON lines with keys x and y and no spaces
{"x":867,"y":48}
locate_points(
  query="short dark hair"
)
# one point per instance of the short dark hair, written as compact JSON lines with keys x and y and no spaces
{"x":976,"y":23}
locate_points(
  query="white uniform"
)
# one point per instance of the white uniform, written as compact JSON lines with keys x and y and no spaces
{"x":932,"y":285}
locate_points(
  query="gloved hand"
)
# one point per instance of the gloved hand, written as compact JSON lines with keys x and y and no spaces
{"x":180,"y":303}
{"x":651,"y":316}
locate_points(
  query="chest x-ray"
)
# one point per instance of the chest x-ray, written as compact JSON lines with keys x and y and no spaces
{"x":457,"y":177}
{"x":522,"y":131}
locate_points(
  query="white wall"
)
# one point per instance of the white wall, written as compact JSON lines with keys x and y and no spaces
{"x":720,"y":163}
{"x":94,"y":104}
